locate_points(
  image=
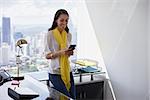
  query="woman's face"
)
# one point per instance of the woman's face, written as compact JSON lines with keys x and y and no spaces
{"x":62,"y":21}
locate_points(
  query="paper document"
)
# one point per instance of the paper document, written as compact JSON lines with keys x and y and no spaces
{"x":84,"y":62}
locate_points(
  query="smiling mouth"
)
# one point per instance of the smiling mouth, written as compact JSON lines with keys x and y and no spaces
{"x":63,"y":26}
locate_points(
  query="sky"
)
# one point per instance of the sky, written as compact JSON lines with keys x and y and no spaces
{"x":25,"y":12}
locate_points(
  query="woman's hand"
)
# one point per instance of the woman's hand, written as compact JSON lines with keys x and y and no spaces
{"x":69,"y":52}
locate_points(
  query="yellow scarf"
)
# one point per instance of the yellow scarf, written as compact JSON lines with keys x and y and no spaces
{"x":64,"y":62}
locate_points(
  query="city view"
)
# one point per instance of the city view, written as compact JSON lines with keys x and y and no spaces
{"x":31,"y":22}
{"x":11,"y":30}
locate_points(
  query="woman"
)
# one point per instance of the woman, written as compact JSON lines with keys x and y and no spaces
{"x":57,"y":42}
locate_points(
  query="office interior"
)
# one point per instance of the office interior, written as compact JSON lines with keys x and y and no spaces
{"x":112,"y":33}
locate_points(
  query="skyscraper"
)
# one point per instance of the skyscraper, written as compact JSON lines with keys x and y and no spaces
{"x":6,"y":36}
{"x":5,"y":54}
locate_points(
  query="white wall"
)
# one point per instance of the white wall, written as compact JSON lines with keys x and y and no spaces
{"x":121,"y":30}
{"x":86,"y":35}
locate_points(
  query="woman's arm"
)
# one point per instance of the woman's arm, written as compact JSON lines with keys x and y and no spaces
{"x":53,"y":55}
{"x":48,"y":51}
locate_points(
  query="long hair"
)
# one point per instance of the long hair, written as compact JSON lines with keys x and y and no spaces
{"x":57,"y":14}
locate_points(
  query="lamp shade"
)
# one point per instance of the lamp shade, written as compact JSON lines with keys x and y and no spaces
{"x":21,"y":42}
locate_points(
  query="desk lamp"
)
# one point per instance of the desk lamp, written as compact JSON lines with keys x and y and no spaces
{"x":19,"y":44}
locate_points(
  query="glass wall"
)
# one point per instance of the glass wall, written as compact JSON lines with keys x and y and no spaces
{"x":29,"y":19}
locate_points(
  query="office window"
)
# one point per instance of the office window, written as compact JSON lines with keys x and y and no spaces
{"x":30,"y":19}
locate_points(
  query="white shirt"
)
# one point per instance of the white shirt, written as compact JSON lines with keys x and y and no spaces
{"x":51,"y":45}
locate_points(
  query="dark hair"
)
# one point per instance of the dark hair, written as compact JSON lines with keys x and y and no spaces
{"x":57,"y":14}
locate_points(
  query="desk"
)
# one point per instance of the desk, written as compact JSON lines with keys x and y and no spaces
{"x":28,"y":82}
{"x":86,"y":77}
{"x":85,"y":89}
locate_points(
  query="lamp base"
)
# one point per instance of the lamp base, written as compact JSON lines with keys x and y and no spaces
{"x":18,"y":78}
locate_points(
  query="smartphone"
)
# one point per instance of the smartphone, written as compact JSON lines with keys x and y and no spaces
{"x":72,"y":47}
